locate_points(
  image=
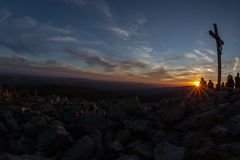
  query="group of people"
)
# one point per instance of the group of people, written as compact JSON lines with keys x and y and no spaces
{"x":204,"y":84}
{"x":229,"y":84}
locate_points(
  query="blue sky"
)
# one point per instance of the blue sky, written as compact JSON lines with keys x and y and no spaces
{"x":154,"y":41}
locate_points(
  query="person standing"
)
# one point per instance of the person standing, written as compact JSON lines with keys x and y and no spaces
{"x":237,"y":82}
{"x":210,"y":84}
{"x":230,"y":82}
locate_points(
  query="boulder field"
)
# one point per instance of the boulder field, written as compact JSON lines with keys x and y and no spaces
{"x":121,"y":129}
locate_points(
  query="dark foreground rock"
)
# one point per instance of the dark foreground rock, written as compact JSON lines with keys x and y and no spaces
{"x":124,"y":129}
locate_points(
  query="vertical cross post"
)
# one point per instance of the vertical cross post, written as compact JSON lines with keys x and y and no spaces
{"x":1,"y":88}
{"x":219,"y":43}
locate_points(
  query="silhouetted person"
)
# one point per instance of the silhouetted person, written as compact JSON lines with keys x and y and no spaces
{"x":210,"y":84}
{"x":230,"y":82}
{"x":203,"y":83}
{"x":237,"y":82}
{"x":222,"y":85}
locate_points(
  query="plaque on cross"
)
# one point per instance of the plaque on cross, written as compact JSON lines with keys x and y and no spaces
{"x":219,"y":43}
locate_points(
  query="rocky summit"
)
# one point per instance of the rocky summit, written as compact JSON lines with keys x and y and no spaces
{"x":49,"y":128}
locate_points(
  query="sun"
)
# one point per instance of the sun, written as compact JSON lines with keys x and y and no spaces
{"x":196,"y":83}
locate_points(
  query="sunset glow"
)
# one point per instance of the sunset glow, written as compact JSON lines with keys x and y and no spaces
{"x":196,"y":83}
{"x":98,"y":39}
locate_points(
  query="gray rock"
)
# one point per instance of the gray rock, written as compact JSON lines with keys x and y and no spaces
{"x":54,"y":139}
{"x":170,"y":114}
{"x":193,"y":139}
{"x":22,"y":145}
{"x":230,"y":149}
{"x":35,"y":125}
{"x":125,"y":108}
{"x":108,"y":137}
{"x":207,"y":119}
{"x":157,"y":136}
{"x":123,"y":136}
{"x":92,"y":121}
{"x":81,"y":149}
{"x":97,"y":137}
{"x":138,"y":125}
{"x":3,"y":129}
{"x":144,"y":150}
{"x":69,"y":113}
{"x":128,"y":157}
{"x":10,"y":121}
{"x":116,"y":146}
{"x":5,"y":156}
{"x":168,"y":151}
{"x":219,"y":130}
{"x":233,"y":125}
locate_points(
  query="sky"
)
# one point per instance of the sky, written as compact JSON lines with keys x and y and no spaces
{"x":164,"y":42}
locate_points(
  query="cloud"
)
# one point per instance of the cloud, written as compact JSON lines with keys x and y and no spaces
{"x":200,"y":55}
{"x":142,"y":51}
{"x":16,"y":64}
{"x":91,"y":57}
{"x":26,"y":22}
{"x":235,"y":65}
{"x":141,"y":20}
{"x":209,"y":51}
{"x":126,"y":65}
{"x":95,"y":58}
{"x":160,"y":73}
{"x":4,"y":14}
{"x":28,"y":36}
{"x":120,"y":32}
{"x":64,"y":39}
{"x":100,"y":5}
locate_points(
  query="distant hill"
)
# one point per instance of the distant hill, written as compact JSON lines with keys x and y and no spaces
{"x":89,"y":88}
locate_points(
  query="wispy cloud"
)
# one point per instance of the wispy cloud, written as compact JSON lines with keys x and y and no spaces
{"x":26,"y":22}
{"x":142,"y":51}
{"x":28,"y":36}
{"x":200,"y":55}
{"x":236,"y":62}
{"x":160,"y":73}
{"x":120,"y":32}
{"x":95,"y":58}
{"x":64,"y":39}
{"x":4,"y":14}
{"x":141,"y":20}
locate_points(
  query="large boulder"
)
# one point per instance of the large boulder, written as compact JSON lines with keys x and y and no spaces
{"x":138,"y":126}
{"x":144,"y":150}
{"x":233,"y":125}
{"x":207,"y":119}
{"x":128,"y":157}
{"x":5,"y":156}
{"x":20,"y":146}
{"x":97,"y":137}
{"x":92,"y":121}
{"x":125,"y":108}
{"x":81,"y":149}
{"x":69,"y":113}
{"x":10,"y":121}
{"x":3,"y":129}
{"x":193,"y":139}
{"x":168,"y":151}
{"x":36,"y":124}
{"x":54,"y":139}
{"x":116,"y":146}
{"x":171,"y":112}
{"x":123,"y":136}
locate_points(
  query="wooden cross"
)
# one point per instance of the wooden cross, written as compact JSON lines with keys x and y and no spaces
{"x":219,"y":43}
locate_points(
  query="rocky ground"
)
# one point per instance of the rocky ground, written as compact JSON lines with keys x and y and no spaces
{"x":122,"y":129}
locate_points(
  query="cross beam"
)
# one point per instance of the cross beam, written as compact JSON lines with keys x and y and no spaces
{"x":219,"y":43}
